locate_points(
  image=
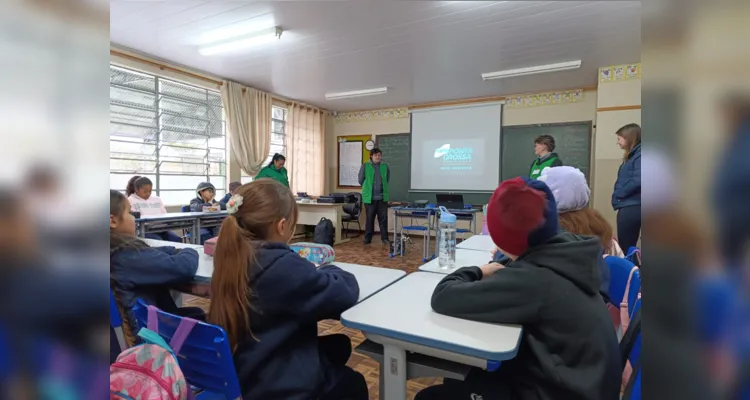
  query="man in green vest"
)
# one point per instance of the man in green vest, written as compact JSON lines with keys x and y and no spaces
{"x":544,"y":147}
{"x":374,"y":176}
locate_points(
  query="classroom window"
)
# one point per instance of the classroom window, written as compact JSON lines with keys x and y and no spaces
{"x":278,"y":133}
{"x":171,"y":132}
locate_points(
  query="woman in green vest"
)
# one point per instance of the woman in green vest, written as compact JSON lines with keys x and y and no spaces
{"x":275,"y":170}
{"x":544,"y":147}
{"x":374,"y":176}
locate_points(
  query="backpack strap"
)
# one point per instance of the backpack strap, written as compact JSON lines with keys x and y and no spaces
{"x":626,"y":295}
{"x":152,"y":322}
{"x":628,"y":394}
{"x":181,"y":333}
{"x":629,"y":338}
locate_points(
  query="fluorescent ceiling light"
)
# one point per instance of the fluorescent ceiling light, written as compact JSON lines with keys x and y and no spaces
{"x":540,"y":69}
{"x":356,"y":93}
{"x":251,"y":39}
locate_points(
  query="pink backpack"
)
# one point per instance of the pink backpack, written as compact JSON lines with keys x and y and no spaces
{"x":150,"y":371}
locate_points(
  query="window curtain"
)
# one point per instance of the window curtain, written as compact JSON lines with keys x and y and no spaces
{"x":248,"y":117}
{"x":305,"y":145}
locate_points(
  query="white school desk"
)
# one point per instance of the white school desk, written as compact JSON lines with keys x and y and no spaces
{"x":311,"y":213}
{"x":370,"y":279}
{"x":401,"y":319}
{"x":477,"y":242}
{"x":464,"y":258}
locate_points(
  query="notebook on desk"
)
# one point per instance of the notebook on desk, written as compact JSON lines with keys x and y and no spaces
{"x":450,"y":201}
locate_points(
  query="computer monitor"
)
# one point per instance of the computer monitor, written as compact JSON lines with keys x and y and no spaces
{"x":450,"y":201}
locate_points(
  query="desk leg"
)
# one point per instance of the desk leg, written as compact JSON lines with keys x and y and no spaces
{"x":197,"y":231}
{"x":394,"y":385}
{"x":142,"y":230}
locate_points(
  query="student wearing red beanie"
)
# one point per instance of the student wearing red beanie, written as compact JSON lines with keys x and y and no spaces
{"x":568,"y":349}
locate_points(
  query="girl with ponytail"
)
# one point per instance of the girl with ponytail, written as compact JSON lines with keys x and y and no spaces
{"x":269,"y":299}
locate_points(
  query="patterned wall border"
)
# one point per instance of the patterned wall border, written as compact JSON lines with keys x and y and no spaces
{"x":544,"y":99}
{"x":618,"y":73}
{"x":375,"y":115}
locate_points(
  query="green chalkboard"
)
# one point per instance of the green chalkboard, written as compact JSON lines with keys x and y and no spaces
{"x":397,"y":154}
{"x":572,"y":141}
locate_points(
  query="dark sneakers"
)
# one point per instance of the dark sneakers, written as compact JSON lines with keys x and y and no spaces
{"x":367,"y":241}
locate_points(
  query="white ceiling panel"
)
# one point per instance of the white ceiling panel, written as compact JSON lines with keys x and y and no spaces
{"x":423,"y":51}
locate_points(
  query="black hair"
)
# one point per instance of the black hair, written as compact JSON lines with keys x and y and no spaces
{"x":546,"y":140}
{"x":276,"y":157}
{"x":130,"y":187}
{"x":117,"y":241}
{"x":374,"y":151}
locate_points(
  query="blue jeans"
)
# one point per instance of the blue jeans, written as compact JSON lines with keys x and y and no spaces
{"x":168,"y":236}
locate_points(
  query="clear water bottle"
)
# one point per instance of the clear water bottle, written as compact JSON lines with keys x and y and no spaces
{"x":447,"y":240}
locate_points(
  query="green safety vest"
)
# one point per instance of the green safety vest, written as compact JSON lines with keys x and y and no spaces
{"x":537,"y":167}
{"x":370,"y":180}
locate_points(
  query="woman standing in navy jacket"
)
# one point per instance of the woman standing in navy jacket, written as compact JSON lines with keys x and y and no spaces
{"x":626,"y":197}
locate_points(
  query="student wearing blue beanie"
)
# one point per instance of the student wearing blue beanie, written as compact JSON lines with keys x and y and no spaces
{"x":551,"y":287}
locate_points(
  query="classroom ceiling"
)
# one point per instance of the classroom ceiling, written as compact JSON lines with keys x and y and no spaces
{"x":423,"y":51}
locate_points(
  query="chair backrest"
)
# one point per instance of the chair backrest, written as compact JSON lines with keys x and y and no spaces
{"x":205,"y":358}
{"x":185,"y":209}
{"x":357,"y":203}
{"x":115,"y":321}
{"x":619,"y":270}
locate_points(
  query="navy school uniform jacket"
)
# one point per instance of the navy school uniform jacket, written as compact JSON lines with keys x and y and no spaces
{"x":627,"y":190}
{"x":148,"y":274}
{"x":196,"y":204}
{"x":569,"y":349}
{"x":289,"y":296}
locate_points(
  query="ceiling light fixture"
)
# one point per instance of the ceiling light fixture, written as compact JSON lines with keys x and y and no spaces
{"x":540,"y":69}
{"x":356,"y":93}
{"x":251,"y":39}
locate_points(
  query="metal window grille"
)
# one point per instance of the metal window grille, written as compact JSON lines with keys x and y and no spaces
{"x":169,"y":131}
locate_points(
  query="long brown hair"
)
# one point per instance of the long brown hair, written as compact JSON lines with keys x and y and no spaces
{"x":632,"y":135}
{"x":588,"y":222}
{"x":264,"y":203}
{"x":118,"y":204}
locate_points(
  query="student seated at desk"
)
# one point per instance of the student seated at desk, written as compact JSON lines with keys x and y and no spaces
{"x":233,"y":186}
{"x":568,"y":349}
{"x":572,"y":194}
{"x":206,"y":193}
{"x":269,"y":299}
{"x":140,"y":271}
{"x":141,"y":200}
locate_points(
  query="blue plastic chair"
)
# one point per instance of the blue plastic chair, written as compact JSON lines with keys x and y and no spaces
{"x":619,"y":270}
{"x":115,"y":321}
{"x":205,"y":358}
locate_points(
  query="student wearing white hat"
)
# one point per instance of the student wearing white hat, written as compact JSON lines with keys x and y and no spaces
{"x":572,"y":193}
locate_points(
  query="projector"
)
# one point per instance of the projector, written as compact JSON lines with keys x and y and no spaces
{"x":420,"y":203}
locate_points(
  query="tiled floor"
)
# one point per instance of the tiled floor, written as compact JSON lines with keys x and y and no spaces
{"x":377,"y":255}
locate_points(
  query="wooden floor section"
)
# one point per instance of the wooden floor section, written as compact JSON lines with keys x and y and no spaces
{"x":374,"y":254}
